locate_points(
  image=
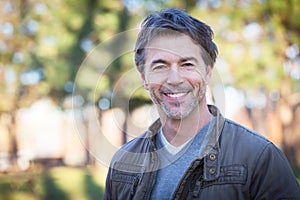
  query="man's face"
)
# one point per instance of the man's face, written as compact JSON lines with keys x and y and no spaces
{"x":176,"y":75}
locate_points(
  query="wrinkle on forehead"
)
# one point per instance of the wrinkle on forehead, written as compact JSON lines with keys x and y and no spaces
{"x":179,"y":46}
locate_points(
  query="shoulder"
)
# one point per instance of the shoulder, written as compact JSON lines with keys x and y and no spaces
{"x":241,"y":133}
{"x":248,"y":147}
{"x":136,"y":144}
{"x":243,"y":142}
{"x":144,"y":142}
{"x":134,"y":148}
{"x":139,"y":148}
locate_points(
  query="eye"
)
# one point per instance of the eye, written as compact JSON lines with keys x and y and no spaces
{"x":188,"y":65}
{"x":159,"y":67}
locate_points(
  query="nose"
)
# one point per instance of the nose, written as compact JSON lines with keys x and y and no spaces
{"x":174,"y":76}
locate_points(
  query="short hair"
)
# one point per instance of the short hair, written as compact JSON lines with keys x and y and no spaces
{"x":173,"y":21}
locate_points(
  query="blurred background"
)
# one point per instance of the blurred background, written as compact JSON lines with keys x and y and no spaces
{"x":46,"y":154}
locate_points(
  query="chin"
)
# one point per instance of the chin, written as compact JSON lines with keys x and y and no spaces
{"x":177,"y":115}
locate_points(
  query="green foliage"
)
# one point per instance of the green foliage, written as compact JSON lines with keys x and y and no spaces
{"x":61,"y":183}
{"x":297,"y":173}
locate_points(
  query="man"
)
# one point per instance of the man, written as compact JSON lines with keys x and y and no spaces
{"x":191,"y":151}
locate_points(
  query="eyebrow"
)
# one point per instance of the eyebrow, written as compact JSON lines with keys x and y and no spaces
{"x":180,"y":61}
{"x":188,"y":59}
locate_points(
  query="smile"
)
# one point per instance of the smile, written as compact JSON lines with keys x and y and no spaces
{"x":175,"y":95}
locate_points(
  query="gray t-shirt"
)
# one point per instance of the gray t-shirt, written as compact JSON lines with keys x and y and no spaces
{"x":173,"y":166}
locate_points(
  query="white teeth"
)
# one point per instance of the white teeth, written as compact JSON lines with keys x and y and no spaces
{"x":176,"y":95}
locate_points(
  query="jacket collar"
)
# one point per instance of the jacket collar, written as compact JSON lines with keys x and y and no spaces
{"x":210,"y":148}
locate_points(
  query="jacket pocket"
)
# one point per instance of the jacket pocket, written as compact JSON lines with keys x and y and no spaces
{"x":232,"y":174}
{"x":227,"y":185}
{"x":125,"y":178}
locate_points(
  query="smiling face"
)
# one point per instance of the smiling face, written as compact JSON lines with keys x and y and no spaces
{"x":176,"y":76}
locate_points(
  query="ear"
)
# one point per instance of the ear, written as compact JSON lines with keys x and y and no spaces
{"x":208,"y":73}
{"x":145,"y":84}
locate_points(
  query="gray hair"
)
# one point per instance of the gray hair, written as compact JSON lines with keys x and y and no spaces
{"x":171,"y":22}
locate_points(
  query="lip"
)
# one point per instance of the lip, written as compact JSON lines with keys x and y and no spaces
{"x":175,"y":96}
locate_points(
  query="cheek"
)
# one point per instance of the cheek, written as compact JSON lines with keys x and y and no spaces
{"x":154,"y":82}
{"x":154,"y":94}
{"x":197,"y":81}
{"x":153,"y":88}
{"x":151,"y":77}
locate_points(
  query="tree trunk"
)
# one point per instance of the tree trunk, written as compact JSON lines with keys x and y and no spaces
{"x":12,"y":128}
{"x":289,"y":112}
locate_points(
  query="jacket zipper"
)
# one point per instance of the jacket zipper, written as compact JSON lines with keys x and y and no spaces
{"x":189,"y":171}
{"x":134,"y":185}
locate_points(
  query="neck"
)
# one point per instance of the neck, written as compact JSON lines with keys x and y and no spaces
{"x":178,"y":131}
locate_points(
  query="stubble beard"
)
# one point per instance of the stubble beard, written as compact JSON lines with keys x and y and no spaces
{"x":183,"y":111}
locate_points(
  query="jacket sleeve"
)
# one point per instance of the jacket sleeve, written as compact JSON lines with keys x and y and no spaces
{"x":107,"y":191}
{"x":273,"y":177}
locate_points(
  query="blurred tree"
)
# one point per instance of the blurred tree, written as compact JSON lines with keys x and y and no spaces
{"x":275,"y":72}
{"x":16,"y":78}
{"x":42,"y":46}
{"x":281,"y":19}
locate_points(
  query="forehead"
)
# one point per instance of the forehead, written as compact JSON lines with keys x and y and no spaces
{"x":172,"y":47}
